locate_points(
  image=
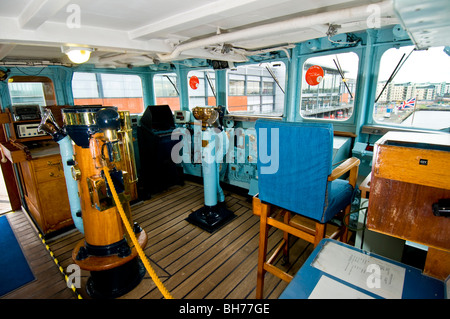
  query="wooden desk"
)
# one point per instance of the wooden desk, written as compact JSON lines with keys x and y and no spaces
{"x":411,"y":172}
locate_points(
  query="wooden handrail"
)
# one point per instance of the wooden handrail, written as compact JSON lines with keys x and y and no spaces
{"x":344,"y":168}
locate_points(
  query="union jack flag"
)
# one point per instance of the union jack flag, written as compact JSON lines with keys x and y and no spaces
{"x":408,"y":103}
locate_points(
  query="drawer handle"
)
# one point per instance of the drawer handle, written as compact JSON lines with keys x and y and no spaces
{"x":53,"y":174}
{"x":50,"y":163}
{"x":58,"y":164}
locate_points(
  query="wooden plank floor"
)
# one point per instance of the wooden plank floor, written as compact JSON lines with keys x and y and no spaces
{"x":191,"y":262}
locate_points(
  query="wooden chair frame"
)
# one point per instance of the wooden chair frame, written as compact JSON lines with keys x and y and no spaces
{"x":294,"y":225}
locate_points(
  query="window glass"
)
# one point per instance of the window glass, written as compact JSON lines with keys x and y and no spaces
{"x":253,"y":88}
{"x":257,"y":89}
{"x":236,"y":85}
{"x":201,"y":88}
{"x":121,"y":85}
{"x":27,"y":90}
{"x":84,"y":85}
{"x":166,"y":91}
{"x":121,"y":90}
{"x":418,"y":94}
{"x":329,"y":86}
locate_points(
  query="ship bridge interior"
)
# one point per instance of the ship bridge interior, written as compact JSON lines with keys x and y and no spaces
{"x":115,"y":117}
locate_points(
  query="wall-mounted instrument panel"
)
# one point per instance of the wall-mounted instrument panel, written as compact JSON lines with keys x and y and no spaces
{"x":28,"y":130}
{"x":26,"y":112}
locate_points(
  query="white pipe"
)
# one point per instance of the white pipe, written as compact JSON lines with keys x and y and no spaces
{"x":280,"y":27}
{"x":125,"y":56}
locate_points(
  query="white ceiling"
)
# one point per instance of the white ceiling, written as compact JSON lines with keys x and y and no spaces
{"x":141,"y":32}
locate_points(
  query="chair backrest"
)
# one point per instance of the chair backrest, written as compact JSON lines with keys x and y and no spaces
{"x":158,"y":118}
{"x":304,"y":152}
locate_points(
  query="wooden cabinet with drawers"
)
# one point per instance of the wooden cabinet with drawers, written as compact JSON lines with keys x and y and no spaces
{"x":39,"y":173}
{"x":45,"y":192}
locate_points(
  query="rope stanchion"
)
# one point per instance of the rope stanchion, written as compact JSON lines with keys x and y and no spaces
{"x":129,"y":229}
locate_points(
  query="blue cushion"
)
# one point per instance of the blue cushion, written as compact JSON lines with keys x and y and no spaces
{"x":340,"y":194}
{"x":294,"y":162}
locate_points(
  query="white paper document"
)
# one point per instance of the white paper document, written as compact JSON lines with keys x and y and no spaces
{"x":328,"y":288}
{"x":369,"y":273}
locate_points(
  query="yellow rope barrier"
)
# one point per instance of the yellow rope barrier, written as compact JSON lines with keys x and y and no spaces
{"x":141,"y":253}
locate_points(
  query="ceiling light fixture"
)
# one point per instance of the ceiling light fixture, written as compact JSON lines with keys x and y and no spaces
{"x":78,"y":55}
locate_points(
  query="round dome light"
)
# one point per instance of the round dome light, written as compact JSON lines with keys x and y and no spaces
{"x":79,"y":55}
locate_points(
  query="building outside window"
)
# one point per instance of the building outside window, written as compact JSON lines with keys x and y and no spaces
{"x":121,"y":90}
{"x":31,"y":90}
{"x":166,"y":90}
{"x":201,"y":88}
{"x":329,"y":94}
{"x":257,"y":89}
{"x":418,"y":94}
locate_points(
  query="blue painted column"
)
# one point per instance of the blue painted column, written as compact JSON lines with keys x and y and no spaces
{"x":183,"y":87}
{"x":293,"y":87}
{"x":221,"y":87}
{"x":66,"y":150}
{"x":368,"y":78}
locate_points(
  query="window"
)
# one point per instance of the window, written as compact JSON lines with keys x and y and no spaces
{"x":121,"y":90}
{"x":119,"y":85}
{"x":84,"y":85}
{"x":166,"y":91}
{"x":329,"y":86}
{"x":418,"y":94}
{"x":236,"y":85}
{"x":36,"y":90}
{"x":257,"y":89}
{"x":201,"y":88}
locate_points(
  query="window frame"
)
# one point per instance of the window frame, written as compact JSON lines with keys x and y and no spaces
{"x":209,"y":93}
{"x":48,"y":88}
{"x":379,"y":55}
{"x":165,"y":99}
{"x":341,"y":89}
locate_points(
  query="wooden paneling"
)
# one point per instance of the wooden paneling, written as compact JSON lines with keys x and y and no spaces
{"x":13,"y":153}
{"x":413,"y":165}
{"x":45,"y":192}
{"x":410,"y":174}
{"x":437,"y":264}
{"x":404,"y":210}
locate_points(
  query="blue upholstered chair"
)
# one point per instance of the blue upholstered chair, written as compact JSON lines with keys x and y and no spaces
{"x":297,"y":187}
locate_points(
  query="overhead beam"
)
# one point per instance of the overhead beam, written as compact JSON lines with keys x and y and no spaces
{"x":59,"y":34}
{"x":199,"y":16}
{"x":279,"y":27}
{"x":5,"y":49}
{"x":39,"y":11}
